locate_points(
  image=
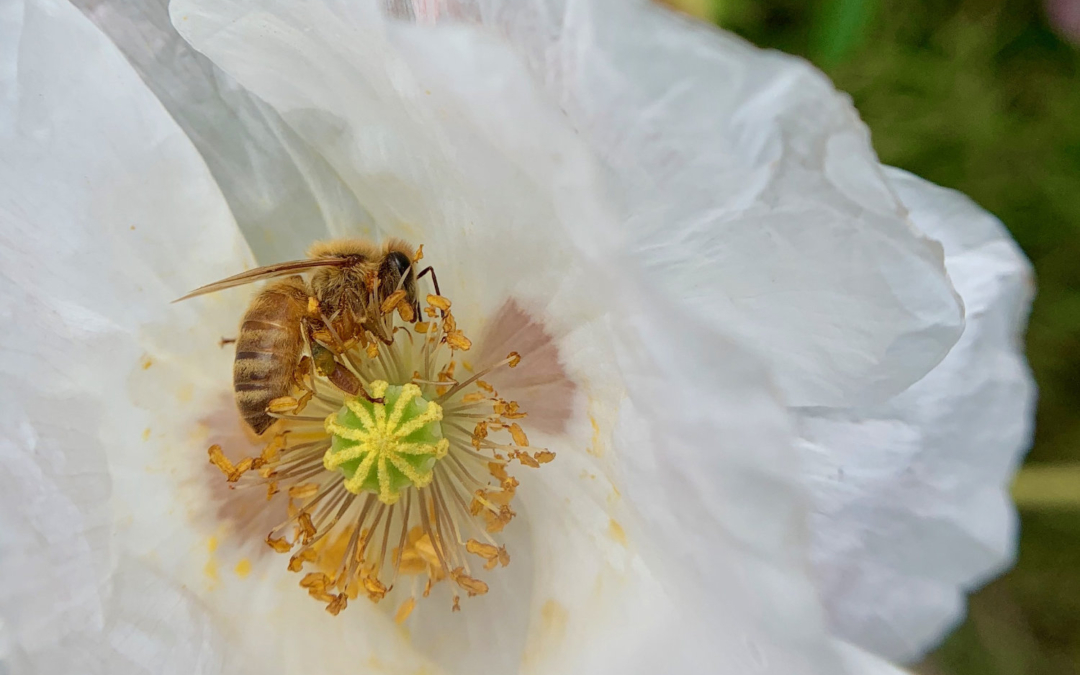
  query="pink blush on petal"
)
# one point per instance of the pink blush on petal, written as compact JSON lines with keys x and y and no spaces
{"x":540,"y":382}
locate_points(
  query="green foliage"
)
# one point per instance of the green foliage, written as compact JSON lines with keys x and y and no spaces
{"x":981,"y":96}
{"x":838,"y":28}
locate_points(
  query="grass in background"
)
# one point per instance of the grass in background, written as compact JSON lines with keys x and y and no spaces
{"x":981,"y":96}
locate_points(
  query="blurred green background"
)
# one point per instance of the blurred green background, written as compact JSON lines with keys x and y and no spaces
{"x":982,"y":96}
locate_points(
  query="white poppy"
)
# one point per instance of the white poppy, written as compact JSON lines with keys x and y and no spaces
{"x":639,"y":188}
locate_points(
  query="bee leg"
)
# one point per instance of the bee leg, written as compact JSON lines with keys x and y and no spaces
{"x":317,"y":320}
{"x":386,"y":340}
{"x":339,"y":345}
{"x":434,"y":282}
{"x":376,"y":325}
{"x":327,"y":365}
{"x":226,"y":341}
{"x":434,"y":279}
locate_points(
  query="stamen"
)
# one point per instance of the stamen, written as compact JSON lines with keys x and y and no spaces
{"x":398,"y":475}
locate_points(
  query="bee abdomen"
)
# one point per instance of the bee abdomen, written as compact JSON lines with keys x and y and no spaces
{"x":267,"y":350}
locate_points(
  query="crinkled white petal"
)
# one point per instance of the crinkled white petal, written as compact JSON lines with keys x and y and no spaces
{"x":710,"y":472}
{"x":108,"y":214}
{"x":752,"y":189}
{"x":384,"y":108}
{"x":266,"y":172}
{"x":911,"y":499}
{"x":747,"y":185}
{"x":858,"y":660}
{"x":110,"y":515}
{"x":447,"y":141}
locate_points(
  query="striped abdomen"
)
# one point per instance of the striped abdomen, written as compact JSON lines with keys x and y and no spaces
{"x":268,"y":348}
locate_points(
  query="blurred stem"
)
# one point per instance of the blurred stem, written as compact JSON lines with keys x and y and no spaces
{"x":838,"y":27}
{"x":1052,"y":486}
{"x":702,"y":9}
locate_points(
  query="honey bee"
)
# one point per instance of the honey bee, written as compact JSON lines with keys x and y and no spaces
{"x":355,"y":285}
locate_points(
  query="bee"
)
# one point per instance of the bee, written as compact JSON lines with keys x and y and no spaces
{"x":355,"y":285}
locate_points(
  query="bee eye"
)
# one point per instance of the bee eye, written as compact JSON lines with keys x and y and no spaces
{"x":399,"y":262}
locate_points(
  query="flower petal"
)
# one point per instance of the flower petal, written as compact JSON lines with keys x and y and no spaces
{"x":711,"y":473}
{"x":674,"y":541}
{"x":499,"y":195}
{"x":788,"y":182}
{"x":859,"y":661}
{"x":749,"y":188}
{"x":110,"y":526}
{"x":268,"y":174}
{"x":396,"y":118}
{"x":911,"y":496}
{"x":108,"y":214}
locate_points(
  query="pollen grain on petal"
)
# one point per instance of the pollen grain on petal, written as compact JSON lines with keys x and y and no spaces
{"x":404,"y":610}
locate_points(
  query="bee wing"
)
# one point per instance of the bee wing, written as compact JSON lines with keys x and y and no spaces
{"x":268,"y":272}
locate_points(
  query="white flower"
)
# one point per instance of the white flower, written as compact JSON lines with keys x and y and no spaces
{"x":643,"y":188}
{"x":902,"y":531}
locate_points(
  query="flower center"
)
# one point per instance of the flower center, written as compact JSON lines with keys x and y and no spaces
{"x":388,"y":451}
{"x":389,"y":446}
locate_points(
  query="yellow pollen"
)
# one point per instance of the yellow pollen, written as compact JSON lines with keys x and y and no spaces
{"x":386,"y":447}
